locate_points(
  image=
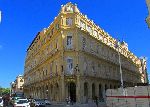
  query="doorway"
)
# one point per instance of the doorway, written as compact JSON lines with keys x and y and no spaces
{"x":72,"y":91}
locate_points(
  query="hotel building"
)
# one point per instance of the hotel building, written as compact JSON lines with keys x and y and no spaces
{"x":76,"y":58}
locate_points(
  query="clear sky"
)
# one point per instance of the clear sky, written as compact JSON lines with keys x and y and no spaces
{"x":22,"y":19}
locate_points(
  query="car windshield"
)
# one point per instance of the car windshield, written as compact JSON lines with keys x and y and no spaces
{"x":22,"y":101}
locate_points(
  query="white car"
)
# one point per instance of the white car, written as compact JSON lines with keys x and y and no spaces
{"x":22,"y":103}
{"x":1,"y":102}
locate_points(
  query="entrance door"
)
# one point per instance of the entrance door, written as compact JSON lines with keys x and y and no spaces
{"x":72,"y":91}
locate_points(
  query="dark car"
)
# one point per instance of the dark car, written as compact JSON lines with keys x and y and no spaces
{"x":41,"y":102}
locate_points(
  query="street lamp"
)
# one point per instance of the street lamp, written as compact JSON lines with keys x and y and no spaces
{"x":120,"y":69}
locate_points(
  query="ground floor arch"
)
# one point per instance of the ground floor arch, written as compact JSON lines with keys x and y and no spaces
{"x":72,"y":91}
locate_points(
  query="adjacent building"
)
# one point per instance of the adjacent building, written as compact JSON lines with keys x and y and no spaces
{"x":148,"y":18}
{"x":16,"y":87}
{"x":76,"y":58}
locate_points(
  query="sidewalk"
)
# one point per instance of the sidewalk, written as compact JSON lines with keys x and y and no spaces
{"x":77,"y":105}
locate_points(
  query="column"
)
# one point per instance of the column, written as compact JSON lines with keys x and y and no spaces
{"x":90,"y":92}
{"x":78,"y":90}
{"x":62,"y":88}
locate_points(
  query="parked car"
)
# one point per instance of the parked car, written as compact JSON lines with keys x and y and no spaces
{"x":15,"y":99}
{"x":22,"y":103}
{"x":41,"y":102}
{"x":1,"y":102}
{"x":47,"y":102}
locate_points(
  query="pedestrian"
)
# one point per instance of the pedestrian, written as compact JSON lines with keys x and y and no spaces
{"x":96,"y":101}
{"x":67,"y":100}
{"x":32,"y":104}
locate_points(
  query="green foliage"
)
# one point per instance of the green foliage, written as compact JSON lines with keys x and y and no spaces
{"x":4,"y":91}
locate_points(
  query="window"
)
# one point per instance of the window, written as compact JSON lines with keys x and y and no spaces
{"x":93,"y":67}
{"x":56,"y":45}
{"x":95,"y":33}
{"x":69,"y":65}
{"x":69,"y":41}
{"x":105,"y":40}
{"x":97,"y":49}
{"x":57,"y":26}
{"x":84,"y":42}
{"x":92,"y":46}
{"x":82,"y":24}
{"x":85,"y":66}
{"x":51,"y":72}
{"x":46,"y":72}
{"x":89,"y":29}
{"x":69,"y":21}
{"x":21,"y":80}
{"x":52,"y":31}
{"x":69,"y":9}
{"x":99,"y":68}
{"x":56,"y":69}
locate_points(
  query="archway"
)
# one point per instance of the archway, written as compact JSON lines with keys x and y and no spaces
{"x":72,"y":91}
{"x":93,"y":90}
{"x":56,"y":92}
{"x":86,"y":91}
{"x":100,"y":93}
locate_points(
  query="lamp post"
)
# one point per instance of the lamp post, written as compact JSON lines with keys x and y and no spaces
{"x":120,"y":69}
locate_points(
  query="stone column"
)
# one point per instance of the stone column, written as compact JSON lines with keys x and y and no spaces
{"x":62,"y":88}
{"x":78,"y":90}
{"x":90,"y":92}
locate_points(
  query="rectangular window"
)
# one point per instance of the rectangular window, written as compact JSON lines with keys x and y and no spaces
{"x":56,"y":69}
{"x":57,"y":26}
{"x":69,"y":42}
{"x":56,"y":46}
{"x":70,"y":65}
{"x":51,"y":72}
{"x":84,"y":42}
{"x":95,"y":33}
{"x":89,"y":29}
{"x":82,"y":24}
{"x":69,"y":21}
{"x":52,"y":31}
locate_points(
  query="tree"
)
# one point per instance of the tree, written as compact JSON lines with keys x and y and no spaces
{"x":1,"y":91}
{"x":4,"y":91}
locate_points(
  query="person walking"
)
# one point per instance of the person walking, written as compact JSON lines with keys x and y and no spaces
{"x":96,"y":101}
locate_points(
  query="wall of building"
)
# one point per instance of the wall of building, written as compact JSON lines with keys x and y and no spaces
{"x":74,"y":51}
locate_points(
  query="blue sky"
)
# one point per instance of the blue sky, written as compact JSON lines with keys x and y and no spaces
{"x":22,"y":19}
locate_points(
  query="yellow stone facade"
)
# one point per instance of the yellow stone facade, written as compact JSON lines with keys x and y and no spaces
{"x":17,"y":85}
{"x":148,"y":18}
{"x":75,"y":58}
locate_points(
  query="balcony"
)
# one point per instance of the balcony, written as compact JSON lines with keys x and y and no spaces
{"x":148,"y":21}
